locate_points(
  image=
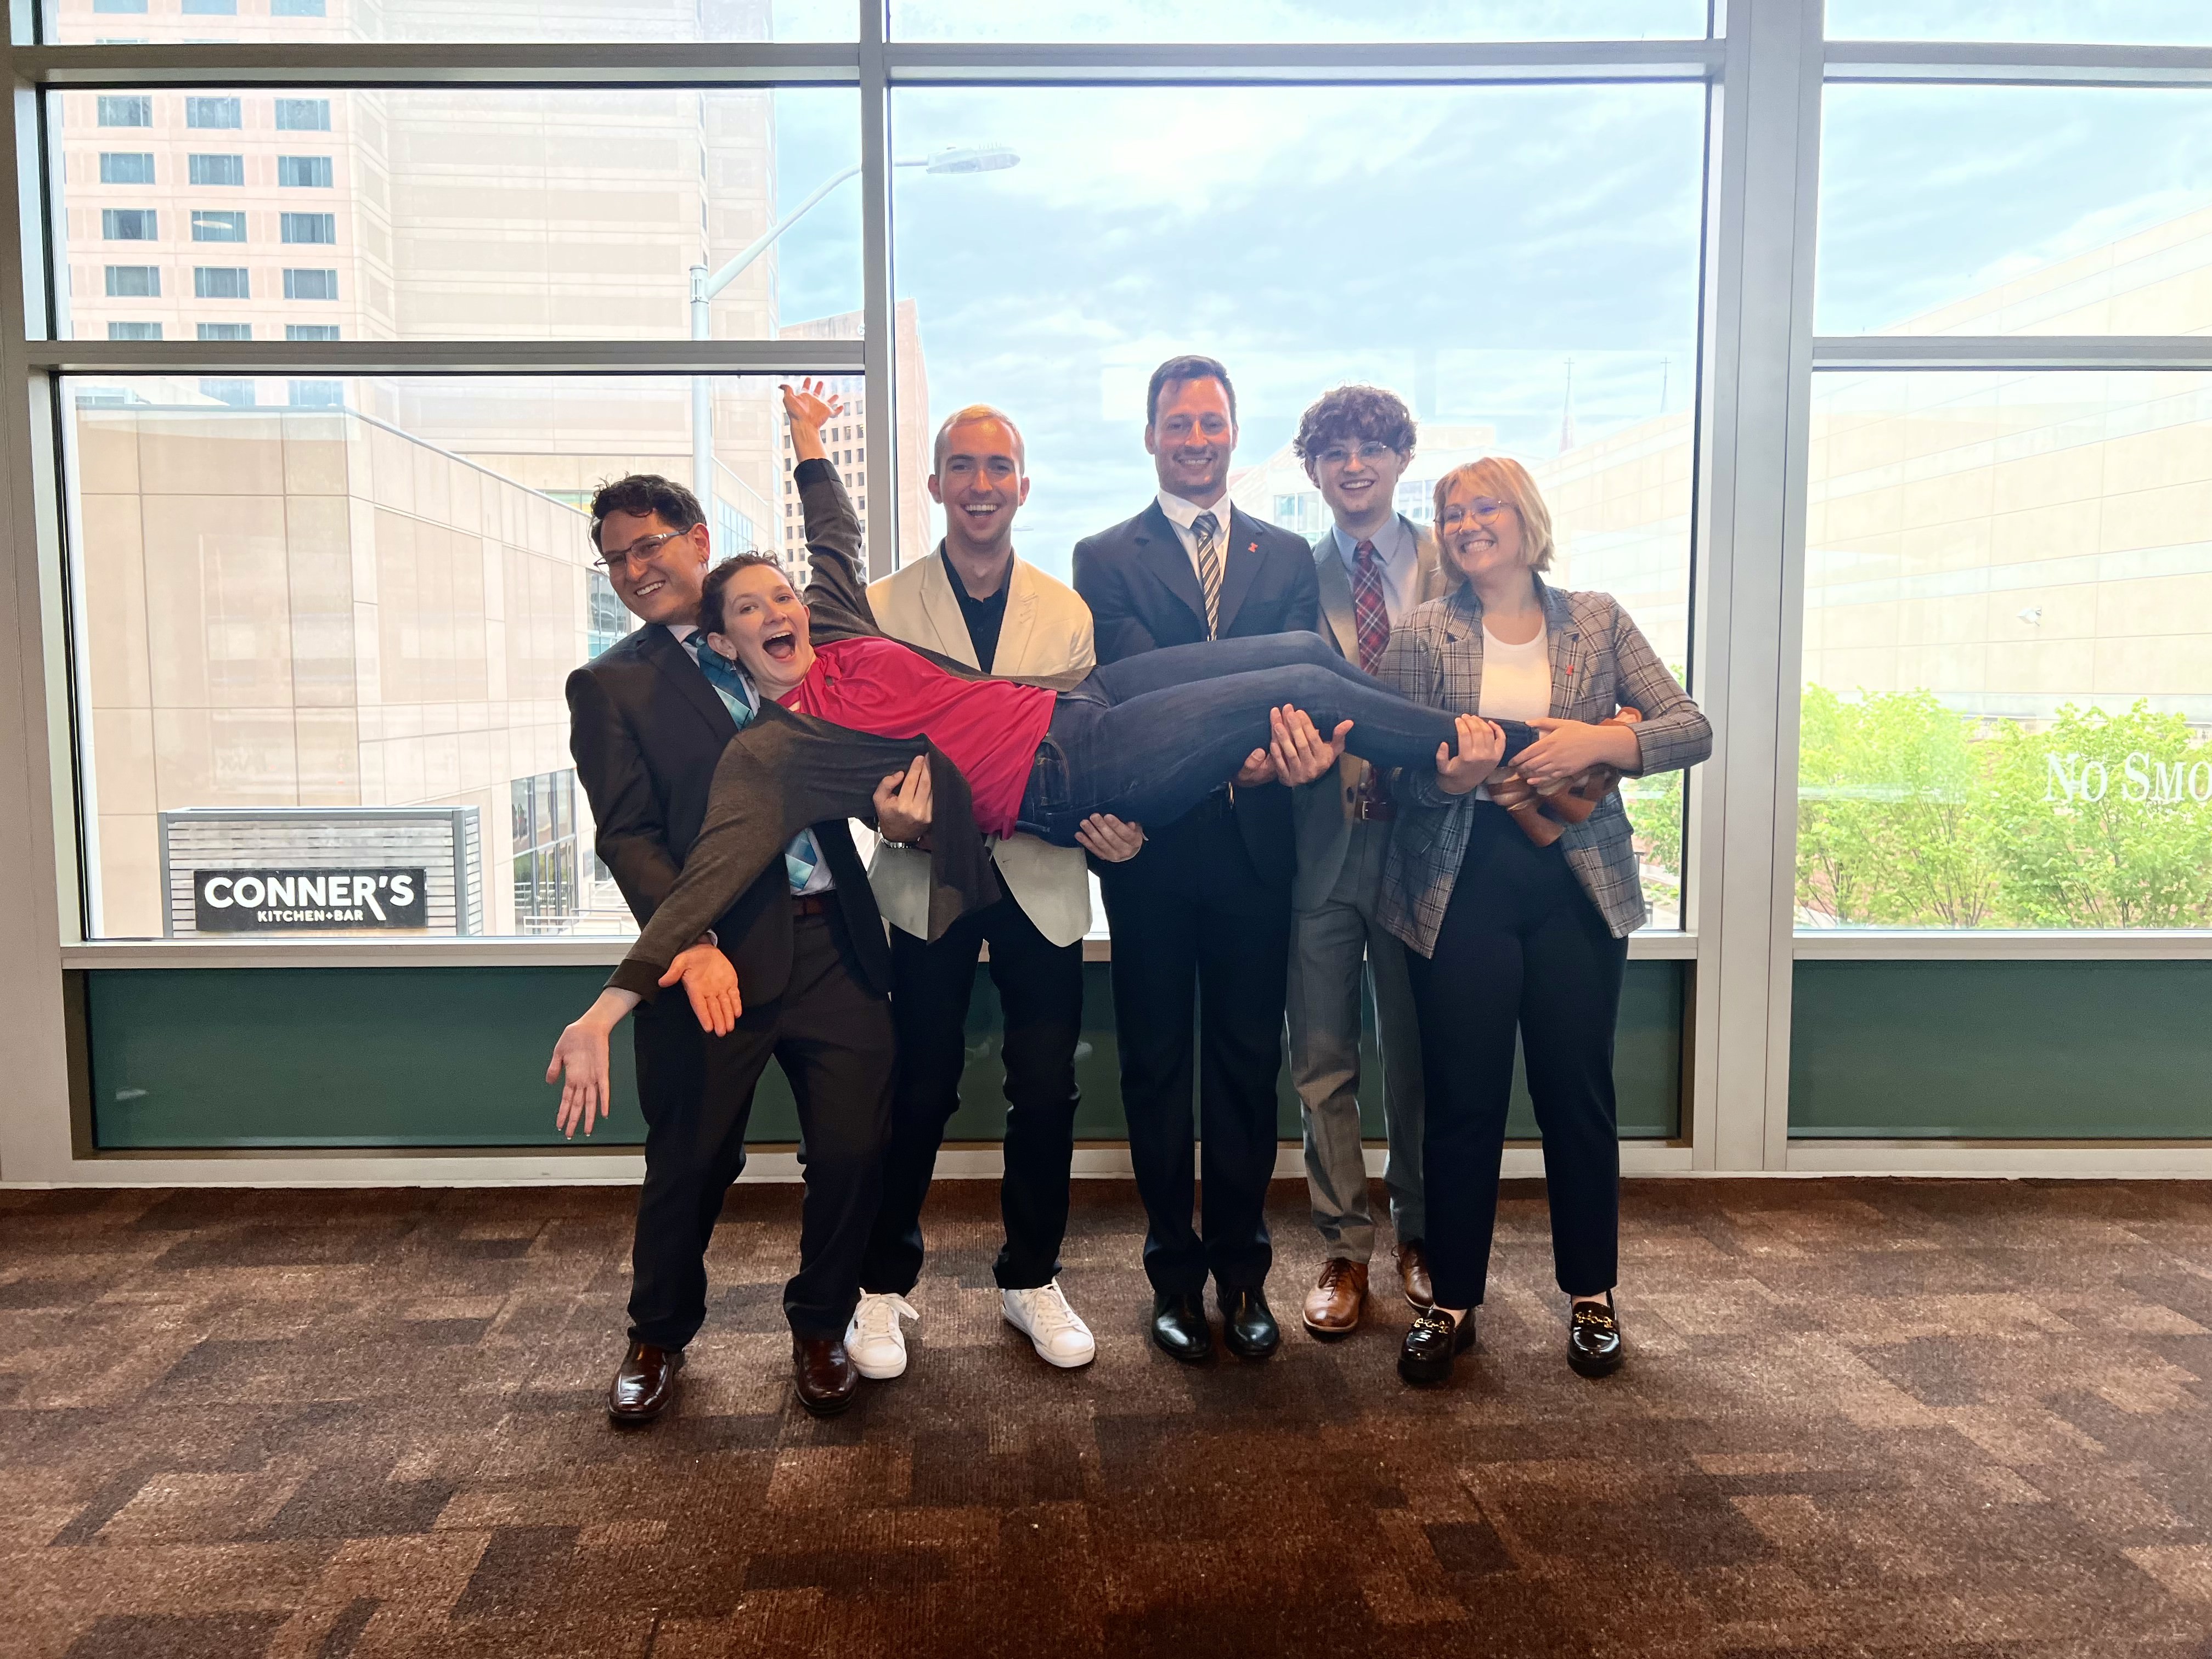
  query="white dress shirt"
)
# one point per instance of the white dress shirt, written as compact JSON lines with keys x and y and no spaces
{"x":1183,"y":514}
{"x":1397,"y":561}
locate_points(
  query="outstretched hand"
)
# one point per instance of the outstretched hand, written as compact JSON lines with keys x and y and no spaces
{"x":579,"y":1062}
{"x":711,"y":983}
{"x":807,"y":406}
{"x":1480,"y":744}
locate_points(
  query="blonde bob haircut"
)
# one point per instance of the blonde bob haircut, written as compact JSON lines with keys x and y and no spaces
{"x":1508,"y":481}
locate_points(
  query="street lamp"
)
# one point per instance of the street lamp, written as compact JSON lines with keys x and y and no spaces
{"x":955,"y":158}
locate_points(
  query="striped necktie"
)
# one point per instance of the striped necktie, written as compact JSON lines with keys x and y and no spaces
{"x":1205,"y":529}
{"x":803,"y":856}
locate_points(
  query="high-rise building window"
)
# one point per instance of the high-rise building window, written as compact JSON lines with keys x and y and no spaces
{"x":238,"y":394}
{"x":543,"y":810}
{"x":212,"y":227}
{"x":303,"y":115}
{"x":318,"y":394}
{"x":210,"y":8}
{"x":310,"y":227}
{"x":305,"y":171}
{"x":298,"y":9}
{"x":134,"y":331}
{"x":132,"y":6}
{"x":311,"y":285}
{"x":606,"y":620}
{"x":226,"y":331}
{"x":311,"y":331}
{"x":213,"y":112}
{"x":128,"y":224}
{"x":219,"y":282}
{"x":125,"y":166}
{"x":134,"y":281}
{"x":215,"y":169}
{"x":126,"y":112}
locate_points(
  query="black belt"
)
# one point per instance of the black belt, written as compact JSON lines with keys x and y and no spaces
{"x":810,"y":904}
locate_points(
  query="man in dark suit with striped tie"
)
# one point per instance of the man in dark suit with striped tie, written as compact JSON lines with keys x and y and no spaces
{"x":1201,"y":917}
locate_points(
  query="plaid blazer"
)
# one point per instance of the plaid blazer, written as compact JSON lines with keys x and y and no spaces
{"x":1600,"y":662}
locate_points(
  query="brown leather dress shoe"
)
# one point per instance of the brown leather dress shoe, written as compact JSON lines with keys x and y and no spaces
{"x":1414,"y":1274}
{"x":1333,"y":1304}
{"x":824,"y":1374}
{"x":645,"y":1384}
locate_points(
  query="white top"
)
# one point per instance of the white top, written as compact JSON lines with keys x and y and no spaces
{"x":1183,"y":514}
{"x":1516,"y":682}
{"x":1397,"y":561}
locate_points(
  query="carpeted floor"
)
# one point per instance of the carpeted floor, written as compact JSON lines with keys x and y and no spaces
{"x":1899,"y":1417}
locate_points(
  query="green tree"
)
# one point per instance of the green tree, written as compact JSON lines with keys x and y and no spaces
{"x":2093,"y":822}
{"x":1888,"y":828}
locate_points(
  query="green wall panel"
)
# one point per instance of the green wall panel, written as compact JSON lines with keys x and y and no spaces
{"x":209,"y":1057}
{"x":2001,"y":1050}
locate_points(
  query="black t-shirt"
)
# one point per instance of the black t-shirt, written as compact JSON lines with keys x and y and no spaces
{"x":983,"y":616}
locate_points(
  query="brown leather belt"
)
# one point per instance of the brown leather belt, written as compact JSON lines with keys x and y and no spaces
{"x":810,"y":904}
{"x":1363,"y":810}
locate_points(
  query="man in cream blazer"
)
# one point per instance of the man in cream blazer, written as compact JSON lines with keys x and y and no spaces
{"x":1374,"y":565}
{"x":972,"y":600}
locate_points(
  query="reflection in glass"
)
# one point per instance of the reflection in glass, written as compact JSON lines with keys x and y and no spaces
{"x":2007,"y":653}
{"x":85,"y":22}
{"x":345,"y":597}
{"x":1949,"y":209}
{"x":1266,"y":21}
{"x":467,"y":215}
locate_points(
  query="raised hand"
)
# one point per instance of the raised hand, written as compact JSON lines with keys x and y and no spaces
{"x":1480,"y":744}
{"x":903,"y":804}
{"x":711,"y":985}
{"x":807,"y":406}
{"x":1296,"y":748}
{"x":1109,"y":839}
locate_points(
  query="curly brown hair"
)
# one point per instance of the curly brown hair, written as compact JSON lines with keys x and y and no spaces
{"x":1363,"y":413}
{"x":710,"y":591}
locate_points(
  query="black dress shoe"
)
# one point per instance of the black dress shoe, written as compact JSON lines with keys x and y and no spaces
{"x":1179,"y":1326}
{"x":1594,"y":1339}
{"x":1247,"y":1326}
{"x":1432,"y":1344}
{"x":645,"y":1384}
{"x":824,"y":1374}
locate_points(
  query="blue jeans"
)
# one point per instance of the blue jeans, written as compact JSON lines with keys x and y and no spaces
{"x":1149,"y":738}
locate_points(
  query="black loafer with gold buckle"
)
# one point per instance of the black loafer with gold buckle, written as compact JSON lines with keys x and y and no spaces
{"x":1432,"y":1344}
{"x":1594,"y":1339}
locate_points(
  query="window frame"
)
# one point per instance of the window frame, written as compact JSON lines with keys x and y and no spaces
{"x":1764,"y":64}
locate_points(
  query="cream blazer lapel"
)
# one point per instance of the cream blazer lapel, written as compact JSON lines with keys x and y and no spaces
{"x":948,"y":627}
{"x":1017,"y":629}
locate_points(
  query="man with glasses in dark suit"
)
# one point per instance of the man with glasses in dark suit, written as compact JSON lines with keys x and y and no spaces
{"x":649,"y":718}
{"x":1201,"y":917}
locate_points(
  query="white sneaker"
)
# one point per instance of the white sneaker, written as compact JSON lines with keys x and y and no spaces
{"x":1053,"y":1329}
{"x":875,"y":1340}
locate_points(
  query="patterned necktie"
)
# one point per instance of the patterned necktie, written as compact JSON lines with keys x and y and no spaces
{"x":1370,"y":617}
{"x":803,"y":856}
{"x":1204,"y":529}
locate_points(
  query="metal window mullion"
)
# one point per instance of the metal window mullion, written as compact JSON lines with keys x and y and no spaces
{"x":2000,"y":63}
{"x":879,"y":342}
{"x":247,"y":357}
{"x":1753,"y":534}
{"x":935,"y":63}
{"x":369,"y":63}
{"x":2010,"y":351}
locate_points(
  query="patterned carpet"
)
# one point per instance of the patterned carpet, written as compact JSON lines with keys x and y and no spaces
{"x":1898,"y":1419}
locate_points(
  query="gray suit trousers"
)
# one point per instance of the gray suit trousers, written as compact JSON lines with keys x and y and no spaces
{"x":1334,"y":947}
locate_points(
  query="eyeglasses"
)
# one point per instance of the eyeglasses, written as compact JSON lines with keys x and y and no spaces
{"x":637,"y":552}
{"x":1482,"y":507}
{"x":1368,"y":454}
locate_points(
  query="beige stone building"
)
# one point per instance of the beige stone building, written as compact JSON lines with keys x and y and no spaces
{"x":846,"y":438}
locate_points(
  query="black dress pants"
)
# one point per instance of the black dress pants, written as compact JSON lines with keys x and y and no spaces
{"x":1041,"y":993}
{"x":833,"y":1038}
{"x":1521,"y":947}
{"x":1197,"y":933}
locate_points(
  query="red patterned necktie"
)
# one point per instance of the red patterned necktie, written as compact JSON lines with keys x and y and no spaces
{"x":1370,"y":617}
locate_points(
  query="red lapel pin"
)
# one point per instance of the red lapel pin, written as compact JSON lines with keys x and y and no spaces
{"x":1251,"y":547}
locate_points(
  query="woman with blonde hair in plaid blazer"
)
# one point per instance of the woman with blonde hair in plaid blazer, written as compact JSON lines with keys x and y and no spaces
{"x":1519,"y":920}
